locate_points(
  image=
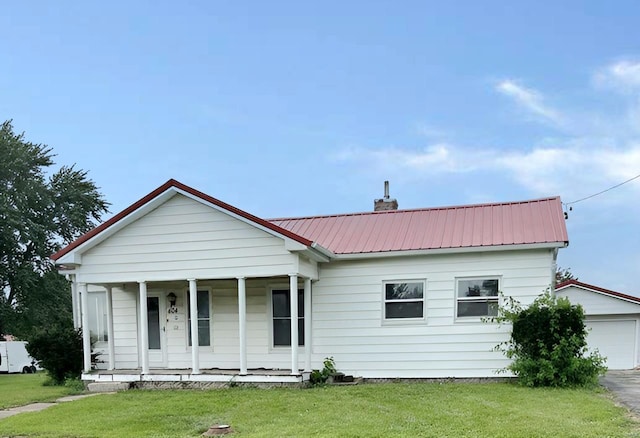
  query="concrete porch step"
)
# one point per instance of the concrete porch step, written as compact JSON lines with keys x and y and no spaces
{"x":108,"y":386}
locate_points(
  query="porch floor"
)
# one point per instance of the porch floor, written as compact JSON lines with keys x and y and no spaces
{"x":256,"y":375}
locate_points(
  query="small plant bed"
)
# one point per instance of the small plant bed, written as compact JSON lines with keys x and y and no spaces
{"x":376,"y":410}
{"x":330,"y":375}
{"x":23,"y":389}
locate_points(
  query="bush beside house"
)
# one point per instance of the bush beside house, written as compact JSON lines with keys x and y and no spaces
{"x":548,"y":345}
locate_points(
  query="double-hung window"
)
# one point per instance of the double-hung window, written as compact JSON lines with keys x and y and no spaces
{"x":281,"y":316}
{"x":404,"y":299}
{"x":204,"y":318}
{"x":477,"y":297}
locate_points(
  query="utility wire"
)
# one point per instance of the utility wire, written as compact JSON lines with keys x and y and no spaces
{"x":600,"y":193}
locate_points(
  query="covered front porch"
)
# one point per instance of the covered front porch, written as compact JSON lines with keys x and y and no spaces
{"x":244,"y":330}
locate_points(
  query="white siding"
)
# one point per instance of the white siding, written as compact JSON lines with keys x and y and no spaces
{"x":125,"y":327}
{"x":347,"y":318}
{"x":183,"y":239}
{"x":348,"y":325}
{"x":596,"y":303}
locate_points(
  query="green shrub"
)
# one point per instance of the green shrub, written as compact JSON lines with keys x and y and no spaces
{"x":59,"y":351}
{"x":548,"y":344}
{"x":320,"y":377}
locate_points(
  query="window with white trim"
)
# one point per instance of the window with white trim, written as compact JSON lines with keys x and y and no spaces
{"x":477,"y":297}
{"x":281,"y":317}
{"x":204,"y":318}
{"x":97,"y":312}
{"x":404,"y":299}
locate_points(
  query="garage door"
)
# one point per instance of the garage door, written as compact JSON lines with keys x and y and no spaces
{"x":616,"y":340}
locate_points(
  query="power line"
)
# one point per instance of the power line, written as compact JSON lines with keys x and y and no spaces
{"x":600,"y":193}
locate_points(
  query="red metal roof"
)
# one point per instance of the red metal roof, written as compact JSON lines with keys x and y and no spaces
{"x":577,"y":283}
{"x":514,"y":223}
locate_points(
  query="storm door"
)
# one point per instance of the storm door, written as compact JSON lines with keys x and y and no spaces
{"x":156,"y":320}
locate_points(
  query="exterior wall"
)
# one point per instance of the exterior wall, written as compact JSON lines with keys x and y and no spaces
{"x":619,"y":314}
{"x":347,"y":321}
{"x":595,"y":303}
{"x":183,"y":239}
{"x":125,"y":326}
{"x":348,"y":324}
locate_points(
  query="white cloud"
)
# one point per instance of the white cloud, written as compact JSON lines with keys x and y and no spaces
{"x":572,"y":169}
{"x":531,"y":100}
{"x":622,"y":75}
{"x":596,"y":150}
{"x":434,"y":159}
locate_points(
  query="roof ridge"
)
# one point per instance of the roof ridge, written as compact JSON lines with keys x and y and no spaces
{"x":411,"y":210}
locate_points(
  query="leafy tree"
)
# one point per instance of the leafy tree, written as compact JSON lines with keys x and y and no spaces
{"x":563,"y":275}
{"x":38,"y":215}
{"x":548,"y":345}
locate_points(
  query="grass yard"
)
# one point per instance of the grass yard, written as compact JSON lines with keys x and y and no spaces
{"x":22,"y":389}
{"x":438,"y":410}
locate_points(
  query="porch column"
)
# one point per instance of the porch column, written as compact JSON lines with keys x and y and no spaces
{"x":112,"y":349}
{"x":195,"y":342}
{"x":307,"y":324}
{"x":144,"y":329}
{"x":86,"y":334}
{"x":293,"y":293}
{"x":242,"y":320}
{"x":77,"y":323}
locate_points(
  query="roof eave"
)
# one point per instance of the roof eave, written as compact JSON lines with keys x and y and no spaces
{"x":599,"y":290}
{"x":459,"y":250}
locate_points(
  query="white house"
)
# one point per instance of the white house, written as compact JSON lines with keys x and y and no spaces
{"x":613,"y":321}
{"x":389,"y":293}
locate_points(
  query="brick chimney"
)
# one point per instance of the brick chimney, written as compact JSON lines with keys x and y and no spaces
{"x":385,"y":203}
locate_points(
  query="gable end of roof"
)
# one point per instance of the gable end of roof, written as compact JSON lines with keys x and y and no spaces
{"x":174,"y":184}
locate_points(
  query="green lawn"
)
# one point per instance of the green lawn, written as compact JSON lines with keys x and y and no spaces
{"x":438,"y":410}
{"x":22,"y":389}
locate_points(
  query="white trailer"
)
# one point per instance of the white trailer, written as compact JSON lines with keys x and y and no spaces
{"x":15,"y":359}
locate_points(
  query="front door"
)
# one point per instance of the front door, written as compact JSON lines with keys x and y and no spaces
{"x":156,"y":320}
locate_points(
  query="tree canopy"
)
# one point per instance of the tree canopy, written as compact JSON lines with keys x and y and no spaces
{"x":41,"y":209}
{"x":563,"y":275}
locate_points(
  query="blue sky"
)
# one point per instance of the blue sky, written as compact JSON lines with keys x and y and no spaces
{"x":289,"y":108}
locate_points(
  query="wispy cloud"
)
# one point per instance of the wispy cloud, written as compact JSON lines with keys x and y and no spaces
{"x":434,"y":159}
{"x":594,"y":150}
{"x":570,"y":169}
{"x":621,"y":75}
{"x":530,"y":100}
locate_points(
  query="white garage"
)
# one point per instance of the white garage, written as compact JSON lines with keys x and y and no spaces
{"x":613,"y":320}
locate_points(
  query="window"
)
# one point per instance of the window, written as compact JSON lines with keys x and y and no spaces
{"x":404,"y":299}
{"x":281,"y":315}
{"x":477,"y":297}
{"x":204,"y":318}
{"x":97,"y":305}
